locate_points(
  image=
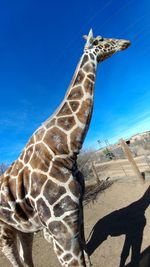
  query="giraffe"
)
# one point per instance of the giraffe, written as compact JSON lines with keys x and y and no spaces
{"x":43,"y":189}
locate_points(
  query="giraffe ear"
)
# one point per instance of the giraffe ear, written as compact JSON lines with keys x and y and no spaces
{"x":89,"y":38}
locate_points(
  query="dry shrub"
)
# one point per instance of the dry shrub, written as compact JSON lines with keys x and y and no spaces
{"x":3,"y":167}
{"x":93,"y":191}
{"x":84,"y":162}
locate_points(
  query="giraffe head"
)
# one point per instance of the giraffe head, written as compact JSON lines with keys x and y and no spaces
{"x":104,"y":47}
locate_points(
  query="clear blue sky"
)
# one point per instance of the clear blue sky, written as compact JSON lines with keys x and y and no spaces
{"x":40,"y":45}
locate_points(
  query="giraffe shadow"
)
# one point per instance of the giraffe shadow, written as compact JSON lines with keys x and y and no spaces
{"x":144,"y":259}
{"x":129,"y":221}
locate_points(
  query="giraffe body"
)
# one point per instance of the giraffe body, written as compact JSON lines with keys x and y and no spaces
{"x":43,"y":189}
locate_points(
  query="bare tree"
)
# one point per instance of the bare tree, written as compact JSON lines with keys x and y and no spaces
{"x":85,"y":159}
{"x":3,"y":167}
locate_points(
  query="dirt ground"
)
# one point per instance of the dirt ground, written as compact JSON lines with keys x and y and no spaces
{"x":112,"y":219}
{"x":121,"y":168}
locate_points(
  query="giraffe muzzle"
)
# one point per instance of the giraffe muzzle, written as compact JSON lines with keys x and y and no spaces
{"x":124,"y":44}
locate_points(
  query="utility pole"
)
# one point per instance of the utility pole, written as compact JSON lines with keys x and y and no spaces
{"x":131,"y":160}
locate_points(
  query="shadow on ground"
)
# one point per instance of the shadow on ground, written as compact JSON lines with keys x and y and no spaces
{"x":129,"y":221}
{"x":144,"y":259}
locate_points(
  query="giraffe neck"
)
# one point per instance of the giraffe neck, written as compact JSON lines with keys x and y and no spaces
{"x":73,"y":116}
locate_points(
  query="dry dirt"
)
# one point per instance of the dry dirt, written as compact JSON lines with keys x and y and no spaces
{"x":109,"y":234}
{"x":121,"y":168}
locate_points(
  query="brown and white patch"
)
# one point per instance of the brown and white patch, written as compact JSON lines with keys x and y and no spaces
{"x":66,"y":123}
{"x":65,"y":110}
{"x":79,"y":78}
{"x":59,"y":172}
{"x":76,"y":139}
{"x":85,"y":111}
{"x":88,"y":85}
{"x":76,"y":93}
{"x":66,"y":204}
{"x":37,"y":181}
{"x":57,"y":141}
{"x":53,"y":191}
{"x":41,"y":158}
{"x":39,"y":134}
{"x":43,"y":210}
{"x":74,"y":105}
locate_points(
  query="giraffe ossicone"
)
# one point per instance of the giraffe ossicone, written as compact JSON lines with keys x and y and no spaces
{"x":43,"y":189}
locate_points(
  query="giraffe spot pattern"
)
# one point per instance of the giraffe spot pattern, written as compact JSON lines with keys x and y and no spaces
{"x":66,"y":123}
{"x":67,"y":257}
{"x":59,"y":172}
{"x":6,"y":190}
{"x":37,"y":221}
{"x":6,"y":216}
{"x":75,"y":188}
{"x":26,"y":177}
{"x":79,"y":78}
{"x":61,"y":234}
{"x":107,"y":45}
{"x":76,"y":139}
{"x":15,"y":168}
{"x":76,"y":93}
{"x":20,"y":187}
{"x":29,"y":203}
{"x":91,"y":77}
{"x":12,"y":185}
{"x":57,"y":141}
{"x":25,"y":209}
{"x":74,"y":105}
{"x":65,"y":161}
{"x":53,"y":191}
{"x":89,"y":68}
{"x":4,"y":201}
{"x":72,"y":221}
{"x":65,"y":110}
{"x":74,"y":263}
{"x":65,"y":204}
{"x":58,"y":249}
{"x":88,"y":85}
{"x":41,"y":158}
{"x":76,"y":249}
{"x":92,"y":57}
{"x":8,"y":170}
{"x":39,"y":134}
{"x":84,"y":114}
{"x":31,"y":141}
{"x":28,"y":154}
{"x":37,"y":181}
{"x":43,"y":210}
{"x":20,"y":213}
{"x":22,"y":154}
{"x":85,"y":59}
{"x":50,"y":123}
{"x":61,"y":261}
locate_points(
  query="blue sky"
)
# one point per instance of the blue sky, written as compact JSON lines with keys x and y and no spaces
{"x":40,"y":45}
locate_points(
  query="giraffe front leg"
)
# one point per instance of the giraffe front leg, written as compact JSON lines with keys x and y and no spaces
{"x":67,"y":245}
{"x":47,"y":236}
{"x":8,"y":237}
{"x":80,"y":179}
{"x":26,"y":243}
{"x":69,"y":257}
{"x":82,"y":234}
{"x":65,"y":234}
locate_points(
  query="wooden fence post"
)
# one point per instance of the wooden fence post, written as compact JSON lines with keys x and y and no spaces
{"x":131,"y":160}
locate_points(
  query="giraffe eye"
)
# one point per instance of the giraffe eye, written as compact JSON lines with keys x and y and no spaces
{"x":95,"y":42}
